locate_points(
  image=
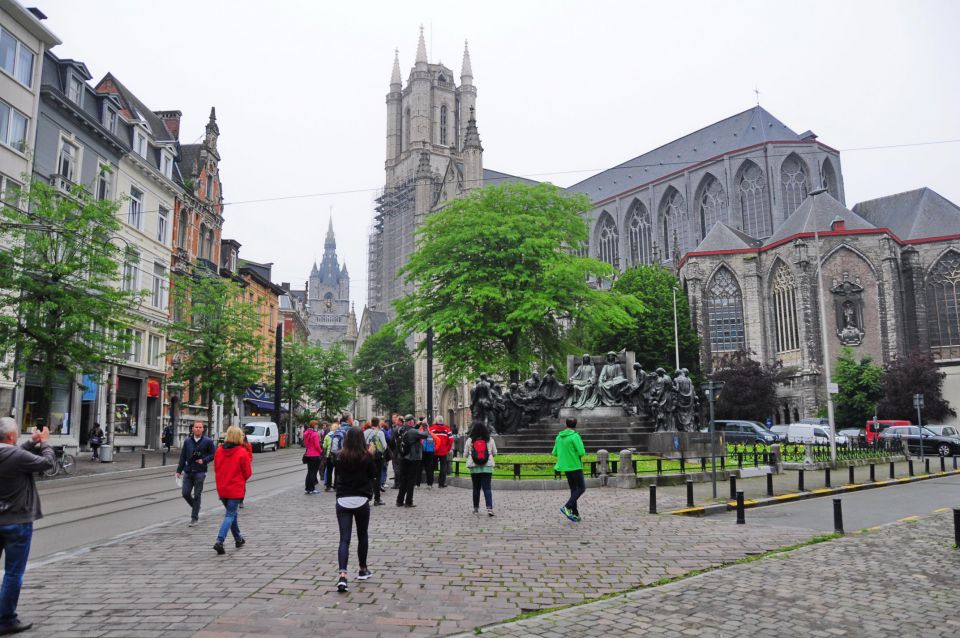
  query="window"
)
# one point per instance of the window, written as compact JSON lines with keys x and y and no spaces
{"x":13,"y":127}
{"x":785,"y":310}
{"x":712,"y":204}
{"x":103,"y":182}
{"x":68,"y":166}
{"x":135,"y":352}
{"x":725,"y":313}
{"x":155,"y":351}
{"x":10,"y":192}
{"x":210,"y":244}
{"x":16,"y":59}
{"x":158,"y":296}
{"x":443,"y":125}
{"x":75,"y":90}
{"x":639,"y":235}
{"x":754,"y":204}
{"x":608,"y":240}
{"x":828,"y":179}
{"x":131,"y":270}
{"x":182,"y":230}
{"x":135,"y":213}
{"x":163,"y":219}
{"x":793,"y":182}
{"x":166,"y":165}
{"x":109,"y":118}
{"x":209,"y":191}
{"x":943,"y":306}
{"x":675,"y":226}
{"x":140,"y":143}
{"x":200,"y":242}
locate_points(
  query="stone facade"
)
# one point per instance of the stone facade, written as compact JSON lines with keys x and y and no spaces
{"x":330,"y":316}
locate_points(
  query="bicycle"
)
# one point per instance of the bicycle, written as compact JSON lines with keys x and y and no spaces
{"x":66,"y":463}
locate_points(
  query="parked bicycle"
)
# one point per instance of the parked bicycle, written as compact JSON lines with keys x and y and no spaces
{"x":66,"y":463}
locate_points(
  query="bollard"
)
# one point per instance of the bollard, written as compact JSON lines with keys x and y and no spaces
{"x":943,"y":464}
{"x":852,"y":480}
{"x":956,"y":527}
{"x":733,"y":487}
{"x":926,"y":466}
{"x":164,"y":458}
{"x":689,"y":492}
{"x":873,"y":474}
{"x":910,"y":467}
{"x":769,"y":483}
{"x":739,"y":460}
{"x":741,"y":519}
{"x":837,"y":516}
{"x":143,"y":460}
{"x":892,"y":469}
{"x":826,"y":477}
{"x":653,"y":498}
{"x":954,"y":461}
{"x":800,"y":481}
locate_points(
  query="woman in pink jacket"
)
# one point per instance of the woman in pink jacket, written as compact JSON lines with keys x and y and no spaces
{"x":314,"y":451}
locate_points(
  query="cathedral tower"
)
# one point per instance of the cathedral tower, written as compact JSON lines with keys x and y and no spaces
{"x":328,"y":297}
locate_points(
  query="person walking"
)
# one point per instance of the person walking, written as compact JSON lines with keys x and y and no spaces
{"x":410,"y":448}
{"x":95,"y":441}
{"x":375,"y":440}
{"x":19,"y":508}
{"x":444,"y":443}
{"x":332,"y":444}
{"x":233,"y":463}
{"x":168,"y":436}
{"x":393,"y":442}
{"x":428,"y":460}
{"x":196,"y":455}
{"x":313,"y":454}
{"x":355,"y":482}
{"x":568,"y":448}
{"x":481,"y":450}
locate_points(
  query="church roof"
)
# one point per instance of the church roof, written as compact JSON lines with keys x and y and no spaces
{"x":496,"y":177}
{"x":753,"y":126}
{"x":374,"y":318}
{"x":723,"y":237}
{"x":916,"y":214}
{"x":817,"y":213}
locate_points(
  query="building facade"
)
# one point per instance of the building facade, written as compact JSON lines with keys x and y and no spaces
{"x":330,"y":317}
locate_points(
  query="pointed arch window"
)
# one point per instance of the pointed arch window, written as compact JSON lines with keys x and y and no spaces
{"x":754,"y":202}
{"x":405,"y":143}
{"x":712,"y":204}
{"x":725,"y":313}
{"x":608,"y":240}
{"x":943,"y":306}
{"x":828,"y":179}
{"x":785,"y":310}
{"x":201,"y":241}
{"x":443,"y":125}
{"x":639,"y":234}
{"x":793,"y":182}
{"x":675,"y":223}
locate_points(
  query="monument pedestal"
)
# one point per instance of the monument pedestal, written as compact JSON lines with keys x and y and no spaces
{"x":593,"y":413}
{"x":687,"y":445}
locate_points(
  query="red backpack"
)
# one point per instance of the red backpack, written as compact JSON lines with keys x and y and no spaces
{"x":480,"y":453}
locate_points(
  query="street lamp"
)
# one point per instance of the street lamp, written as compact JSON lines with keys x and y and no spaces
{"x":918,"y":403}
{"x":676,"y":333}
{"x":710,"y":389}
{"x":831,"y":387}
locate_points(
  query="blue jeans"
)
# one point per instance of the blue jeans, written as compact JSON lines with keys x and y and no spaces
{"x":192,"y":489}
{"x":577,"y":487}
{"x":230,"y":519}
{"x":15,"y":546}
{"x":481,"y":481}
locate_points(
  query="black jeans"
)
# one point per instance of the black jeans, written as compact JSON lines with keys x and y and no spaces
{"x":313,"y":466}
{"x":409,"y":473}
{"x":345,"y":518}
{"x":376,"y":481}
{"x":329,"y":476}
{"x":192,"y":489}
{"x":429,"y":466}
{"x":444,"y":465}
{"x":577,"y":487}
{"x":482,"y":480}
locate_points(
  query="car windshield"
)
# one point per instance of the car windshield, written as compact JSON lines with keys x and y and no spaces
{"x":255,"y":430}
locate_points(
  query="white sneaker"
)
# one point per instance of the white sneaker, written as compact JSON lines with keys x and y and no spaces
{"x":342,"y":584}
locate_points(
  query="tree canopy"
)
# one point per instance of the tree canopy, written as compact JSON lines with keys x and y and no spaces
{"x":334,"y":387}
{"x":497,"y":273}
{"x":385,"y":368}
{"x":914,"y":373}
{"x":301,"y":366}
{"x":749,"y":391}
{"x":860,"y":388}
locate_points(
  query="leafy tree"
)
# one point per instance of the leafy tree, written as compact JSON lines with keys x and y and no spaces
{"x":59,"y":271}
{"x":650,"y":333}
{"x":749,"y":391}
{"x":301,"y":367}
{"x":860,"y":389}
{"x":496,"y":274}
{"x":334,"y":387}
{"x":216,"y":338}
{"x":915,"y":373}
{"x":385,"y":368}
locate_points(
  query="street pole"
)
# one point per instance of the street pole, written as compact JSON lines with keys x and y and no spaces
{"x":710,"y":388}
{"x":429,"y":375}
{"x":278,"y":380}
{"x":918,"y":403}
{"x":676,"y":332}
{"x":826,"y":351}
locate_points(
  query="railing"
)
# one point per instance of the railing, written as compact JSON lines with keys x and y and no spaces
{"x":797,"y":452}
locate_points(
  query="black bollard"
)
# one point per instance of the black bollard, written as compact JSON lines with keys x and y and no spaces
{"x":910,"y":467}
{"x":733,"y":487}
{"x":800,"y":481}
{"x":689,"y":492}
{"x":956,"y":527}
{"x":954,"y":461}
{"x":926,"y":466}
{"x":164,"y":458}
{"x":943,"y":463}
{"x":826,"y":477}
{"x":143,"y":461}
{"x":892,"y":470}
{"x":741,"y":519}
{"x":653,"y":498}
{"x":837,"y":516}
{"x":873,"y":473}
{"x":852,"y":480}
{"x":769,"y":483}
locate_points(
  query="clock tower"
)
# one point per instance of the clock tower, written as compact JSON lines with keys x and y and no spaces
{"x":330,"y":317}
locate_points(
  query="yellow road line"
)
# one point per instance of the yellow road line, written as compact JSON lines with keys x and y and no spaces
{"x":940,"y":510}
{"x":909,"y":519}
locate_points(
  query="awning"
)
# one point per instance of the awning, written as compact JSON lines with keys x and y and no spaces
{"x":263,"y":405}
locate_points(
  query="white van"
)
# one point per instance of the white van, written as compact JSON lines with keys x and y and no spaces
{"x":262,"y":435}
{"x":810,"y":433}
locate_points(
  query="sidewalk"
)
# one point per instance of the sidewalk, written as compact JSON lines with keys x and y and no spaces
{"x":125,"y":460}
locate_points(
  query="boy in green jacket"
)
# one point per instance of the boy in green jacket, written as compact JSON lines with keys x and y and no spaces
{"x":568,"y":448}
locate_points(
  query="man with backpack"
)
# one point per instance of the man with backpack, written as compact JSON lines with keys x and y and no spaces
{"x":332,"y":445}
{"x":442,"y":437}
{"x":410,"y":450}
{"x":377,"y":441}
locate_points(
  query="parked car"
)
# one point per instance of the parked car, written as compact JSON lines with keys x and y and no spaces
{"x":911,"y":435}
{"x":815,"y":420}
{"x":854,"y":435}
{"x":745,"y":432}
{"x":781,"y":431}
{"x":876,"y":426}
{"x":810,"y":433}
{"x":263,"y":435}
{"x":944,"y":430}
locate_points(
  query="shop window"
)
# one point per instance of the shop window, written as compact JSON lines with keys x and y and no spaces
{"x":59,"y":412}
{"x":127,"y":410}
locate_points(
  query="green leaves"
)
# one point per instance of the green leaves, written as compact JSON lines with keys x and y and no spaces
{"x":860,"y":389}
{"x":384,"y":369}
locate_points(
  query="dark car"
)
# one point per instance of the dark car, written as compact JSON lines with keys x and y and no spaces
{"x":745,"y":432}
{"x":933,"y":444}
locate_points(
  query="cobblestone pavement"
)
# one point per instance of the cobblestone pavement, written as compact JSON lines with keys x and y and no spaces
{"x":438,"y":569}
{"x":900,"y":580}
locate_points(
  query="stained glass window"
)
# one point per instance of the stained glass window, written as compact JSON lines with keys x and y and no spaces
{"x":725,"y":313}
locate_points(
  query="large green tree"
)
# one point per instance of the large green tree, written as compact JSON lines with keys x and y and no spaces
{"x":497,"y":273}
{"x":860,"y":388}
{"x":62,"y":310}
{"x":914,"y":373}
{"x":214,"y":338}
{"x":749,"y":391}
{"x":650,"y":333}
{"x":384,"y":368}
{"x":334,"y":387}
{"x":301,"y":368}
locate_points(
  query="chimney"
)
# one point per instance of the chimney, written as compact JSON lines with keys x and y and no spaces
{"x":171,"y":119}
{"x":286,"y":286}
{"x":838,"y":224}
{"x":37,"y":13}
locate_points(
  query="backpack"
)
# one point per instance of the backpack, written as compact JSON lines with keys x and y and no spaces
{"x":479,"y":452}
{"x":429,"y":443}
{"x":403,"y":445}
{"x":378,"y":446}
{"x":336,"y":443}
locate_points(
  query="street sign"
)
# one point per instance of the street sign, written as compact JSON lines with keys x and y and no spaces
{"x":833,"y":388}
{"x":918,"y":400}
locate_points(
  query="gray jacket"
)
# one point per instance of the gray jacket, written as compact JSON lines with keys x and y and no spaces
{"x":19,"y":500}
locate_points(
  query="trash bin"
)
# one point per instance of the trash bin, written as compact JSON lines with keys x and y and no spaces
{"x":106,"y":454}
{"x":283,"y":440}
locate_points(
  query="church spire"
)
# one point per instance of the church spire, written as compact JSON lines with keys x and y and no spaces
{"x":212,"y":130}
{"x":466,"y":72}
{"x":331,"y":241}
{"x":421,"y":48}
{"x":473,"y":135}
{"x":395,"y":81}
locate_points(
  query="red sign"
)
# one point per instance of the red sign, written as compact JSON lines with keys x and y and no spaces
{"x":153,"y":388}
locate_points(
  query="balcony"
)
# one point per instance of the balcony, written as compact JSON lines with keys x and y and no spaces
{"x":62,"y":184}
{"x":208,"y":265}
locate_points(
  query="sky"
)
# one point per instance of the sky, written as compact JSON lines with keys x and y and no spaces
{"x":565,"y":90}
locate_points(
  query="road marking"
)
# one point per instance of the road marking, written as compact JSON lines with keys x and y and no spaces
{"x":786,"y":496}
{"x":909,"y":519}
{"x":822,"y":490}
{"x":940,"y":510}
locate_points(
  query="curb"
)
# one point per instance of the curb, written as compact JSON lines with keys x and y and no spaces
{"x":720,"y":508}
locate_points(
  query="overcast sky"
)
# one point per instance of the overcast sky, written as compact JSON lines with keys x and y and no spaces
{"x":565,"y":90}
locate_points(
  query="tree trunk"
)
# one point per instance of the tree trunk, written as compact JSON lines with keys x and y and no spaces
{"x":210,"y":412}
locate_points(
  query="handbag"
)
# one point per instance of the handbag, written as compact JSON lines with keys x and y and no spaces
{"x":304,"y":459}
{"x":95,"y":440}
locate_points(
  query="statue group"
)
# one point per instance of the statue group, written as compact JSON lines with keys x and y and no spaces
{"x":670,"y":401}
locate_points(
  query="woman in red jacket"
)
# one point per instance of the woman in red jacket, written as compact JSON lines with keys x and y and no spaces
{"x":231,"y":462}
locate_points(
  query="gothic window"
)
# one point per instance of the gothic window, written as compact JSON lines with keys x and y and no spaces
{"x":675,"y":224}
{"x":793,"y":182}
{"x":639,"y":234}
{"x":828,"y":179}
{"x":405,"y":143}
{"x":943,"y":307}
{"x":785,"y":310}
{"x":608,"y":240}
{"x":443,"y":125}
{"x":182,"y":230}
{"x":754,"y":203}
{"x":712,"y":204}
{"x":725,"y":313}
{"x":201,"y":241}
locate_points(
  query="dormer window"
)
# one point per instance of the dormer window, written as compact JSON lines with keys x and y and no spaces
{"x":109,"y":118}
{"x":166,"y":165}
{"x":75,"y":90}
{"x":140,"y":143}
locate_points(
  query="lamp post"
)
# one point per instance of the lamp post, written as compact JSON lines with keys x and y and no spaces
{"x":918,"y":403}
{"x":710,"y":389}
{"x":676,"y":332}
{"x":824,"y":344}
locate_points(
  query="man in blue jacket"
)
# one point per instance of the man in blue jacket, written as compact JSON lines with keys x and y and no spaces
{"x":196,"y":455}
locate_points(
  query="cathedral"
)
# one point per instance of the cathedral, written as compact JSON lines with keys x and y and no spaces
{"x":330,"y":317}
